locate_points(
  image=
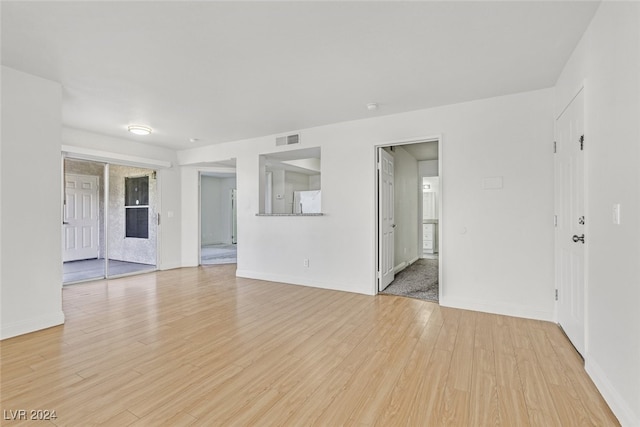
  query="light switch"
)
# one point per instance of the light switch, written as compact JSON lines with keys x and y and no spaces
{"x":616,"y":213}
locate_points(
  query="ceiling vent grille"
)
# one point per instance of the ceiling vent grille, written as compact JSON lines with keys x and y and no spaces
{"x":288,"y":139}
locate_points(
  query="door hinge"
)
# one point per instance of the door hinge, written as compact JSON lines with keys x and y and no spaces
{"x":556,"y":295}
{"x":555,"y":220}
{"x":581,"y":142}
{"x":158,"y":218}
{"x":555,"y":147}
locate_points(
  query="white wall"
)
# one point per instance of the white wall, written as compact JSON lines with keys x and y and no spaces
{"x":496,"y":245}
{"x":607,"y":62}
{"x":428,"y":168}
{"x":406,"y":207}
{"x":209,"y":210}
{"x":31,"y":294}
{"x":170,"y":251}
{"x":128,"y":152}
{"x":190,"y":216}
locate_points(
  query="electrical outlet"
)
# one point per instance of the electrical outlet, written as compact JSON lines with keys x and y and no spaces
{"x":306,"y":262}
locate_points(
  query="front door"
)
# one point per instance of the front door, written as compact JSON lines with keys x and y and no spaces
{"x":570,"y":225}
{"x":81,"y":220}
{"x":386,"y":219}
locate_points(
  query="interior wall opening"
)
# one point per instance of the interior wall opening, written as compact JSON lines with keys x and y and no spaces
{"x":218,"y":218}
{"x":409,"y":220}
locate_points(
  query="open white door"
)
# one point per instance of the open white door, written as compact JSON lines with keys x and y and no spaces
{"x":234,"y":216}
{"x":386,"y":219}
{"x":81,"y":219}
{"x":570,"y":221}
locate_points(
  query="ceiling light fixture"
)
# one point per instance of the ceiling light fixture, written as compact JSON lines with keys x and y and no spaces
{"x":139,"y":129}
{"x":372,"y":106}
{"x":193,"y":140}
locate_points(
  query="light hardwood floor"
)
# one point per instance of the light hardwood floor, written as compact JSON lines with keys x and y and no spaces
{"x":198,"y":346}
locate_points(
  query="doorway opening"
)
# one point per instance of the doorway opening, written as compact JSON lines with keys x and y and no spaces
{"x":110,"y":225}
{"x":218,"y":218}
{"x":409,"y":213}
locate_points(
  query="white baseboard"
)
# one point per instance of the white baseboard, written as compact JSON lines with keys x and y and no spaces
{"x":620,"y":408}
{"x":497,"y":308}
{"x":404,"y":264}
{"x":170,"y":266}
{"x":398,"y":268}
{"x":302,"y":281}
{"x":31,"y":325}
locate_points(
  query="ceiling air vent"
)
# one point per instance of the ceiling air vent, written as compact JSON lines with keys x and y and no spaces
{"x":288,"y":139}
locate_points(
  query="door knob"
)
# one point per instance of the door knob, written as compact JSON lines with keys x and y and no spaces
{"x":577,"y":238}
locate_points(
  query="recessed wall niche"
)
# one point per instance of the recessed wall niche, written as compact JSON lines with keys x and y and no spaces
{"x":290,"y":182}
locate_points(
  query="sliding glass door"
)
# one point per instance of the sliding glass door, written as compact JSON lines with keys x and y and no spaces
{"x":110,"y":225}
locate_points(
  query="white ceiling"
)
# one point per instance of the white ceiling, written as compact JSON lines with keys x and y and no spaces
{"x":222,"y":71}
{"x":423,"y":151}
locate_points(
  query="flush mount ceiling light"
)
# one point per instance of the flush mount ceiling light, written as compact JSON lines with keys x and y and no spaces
{"x":372,"y":106}
{"x":139,"y":129}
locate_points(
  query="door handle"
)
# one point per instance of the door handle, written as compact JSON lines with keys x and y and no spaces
{"x":65,"y":223}
{"x":577,"y":238}
{"x":393,"y":226}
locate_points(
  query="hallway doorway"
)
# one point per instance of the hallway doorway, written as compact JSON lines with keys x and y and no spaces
{"x":413,"y":252}
{"x":218,"y":218}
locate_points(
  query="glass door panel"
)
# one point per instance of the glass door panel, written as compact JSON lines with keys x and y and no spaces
{"x":83,"y":245}
{"x":132,"y":220}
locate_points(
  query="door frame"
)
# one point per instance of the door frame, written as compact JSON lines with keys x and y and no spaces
{"x":376,"y":207}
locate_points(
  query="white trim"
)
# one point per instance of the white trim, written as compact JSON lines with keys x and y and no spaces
{"x":110,"y":157}
{"x":105,"y":214}
{"x":506,"y":309}
{"x":200,"y":217}
{"x":621,"y":409}
{"x":587,"y":213}
{"x":31,"y":325}
{"x":439,"y":237}
{"x":160,"y":217}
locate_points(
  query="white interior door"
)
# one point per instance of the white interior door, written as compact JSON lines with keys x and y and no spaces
{"x":570,"y":229}
{"x":81,"y":217}
{"x":386,"y":218}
